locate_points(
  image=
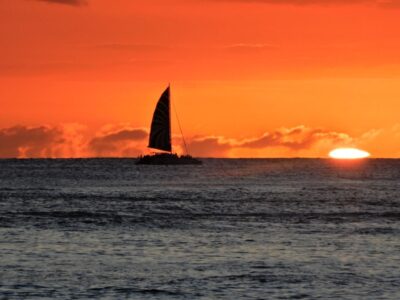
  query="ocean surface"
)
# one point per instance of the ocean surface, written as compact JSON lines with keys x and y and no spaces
{"x":229,"y":229}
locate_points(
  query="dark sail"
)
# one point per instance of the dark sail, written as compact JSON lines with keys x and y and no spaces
{"x":160,"y":134}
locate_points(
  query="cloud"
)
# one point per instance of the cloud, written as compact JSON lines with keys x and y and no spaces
{"x":38,"y":142}
{"x":117,"y":143}
{"x":75,"y":140}
{"x":209,"y":146}
{"x":245,"y":48}
{"x":380,"y":142}
{"x":71,"y":140}
{"x":133,"y":47}
{"x":66,"y":2}
{"x":296,"y":140}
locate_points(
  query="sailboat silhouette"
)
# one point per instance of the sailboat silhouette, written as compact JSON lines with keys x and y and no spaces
{"x":160,"y":137}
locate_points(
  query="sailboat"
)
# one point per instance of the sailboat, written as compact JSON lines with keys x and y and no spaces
{"x":160,"y":137}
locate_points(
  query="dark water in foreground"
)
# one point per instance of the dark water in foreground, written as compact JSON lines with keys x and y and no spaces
{"x":230,"y":229}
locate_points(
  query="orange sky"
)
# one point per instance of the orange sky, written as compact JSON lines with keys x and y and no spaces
{"x":260,"y":78}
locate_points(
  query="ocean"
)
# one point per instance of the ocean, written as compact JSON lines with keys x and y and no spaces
{"x":229,"y":229}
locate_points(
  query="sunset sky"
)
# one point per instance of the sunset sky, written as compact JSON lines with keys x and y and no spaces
{"x":249,"y":78}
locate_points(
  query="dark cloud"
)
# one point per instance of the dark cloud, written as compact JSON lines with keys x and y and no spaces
{"x":209,"y":147}
{"x":66,"y":2}
{"x":68,"y":140}
{"x":117,"y":143}
{"x":21,"y":141}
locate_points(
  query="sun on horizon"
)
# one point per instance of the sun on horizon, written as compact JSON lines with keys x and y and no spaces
{"x":348,"y":153}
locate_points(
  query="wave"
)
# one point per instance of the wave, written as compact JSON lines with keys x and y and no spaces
{"x":128,"y":291}
{"x":82,"y":219}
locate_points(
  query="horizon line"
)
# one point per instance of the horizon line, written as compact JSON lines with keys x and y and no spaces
{"x":134,"y":158}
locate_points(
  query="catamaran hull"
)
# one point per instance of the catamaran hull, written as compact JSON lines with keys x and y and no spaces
{"x":167,"y":159}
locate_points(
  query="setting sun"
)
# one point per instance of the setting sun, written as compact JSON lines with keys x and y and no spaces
{"x":348,"y":153}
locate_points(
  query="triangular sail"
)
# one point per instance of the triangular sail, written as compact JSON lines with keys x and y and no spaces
{"x":160,"y":134}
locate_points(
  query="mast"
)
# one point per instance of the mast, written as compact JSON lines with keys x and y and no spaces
{"x":169,"y":112}
{"x":180,"y":127}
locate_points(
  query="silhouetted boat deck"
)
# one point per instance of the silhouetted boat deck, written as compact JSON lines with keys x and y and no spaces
{"x":167,"y":159}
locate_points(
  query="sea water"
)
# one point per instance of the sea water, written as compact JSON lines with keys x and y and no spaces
{"x":229,"y":229}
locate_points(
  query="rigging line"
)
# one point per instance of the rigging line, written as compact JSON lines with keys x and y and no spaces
{"x":169,"y":116}
{"x":180,"y":128}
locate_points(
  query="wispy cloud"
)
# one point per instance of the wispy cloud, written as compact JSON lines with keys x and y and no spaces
{"x":133,"y":47}
{"x":295,"y":140}
{"x":66,"y":2}
{"x":249,"y":48}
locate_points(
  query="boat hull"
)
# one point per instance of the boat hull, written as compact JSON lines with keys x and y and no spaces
{"x":167,"y":159}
